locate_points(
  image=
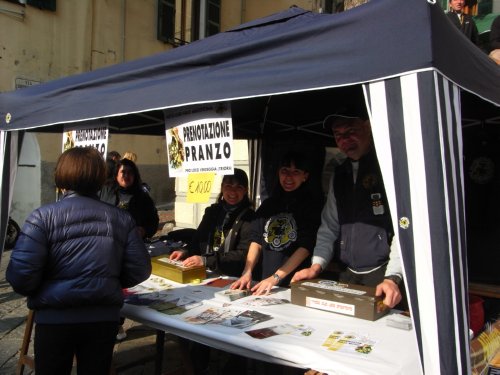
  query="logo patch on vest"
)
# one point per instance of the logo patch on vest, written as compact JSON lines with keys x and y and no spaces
{"x":377,"y":204}
{"x":280,"y":231}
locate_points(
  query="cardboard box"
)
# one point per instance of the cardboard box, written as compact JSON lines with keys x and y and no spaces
{"x":174,"y":270}
{"x":348,"y":299}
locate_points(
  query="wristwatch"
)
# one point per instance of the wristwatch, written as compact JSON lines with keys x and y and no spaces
{"x":395,"y":278}
{"x":278,"y":279}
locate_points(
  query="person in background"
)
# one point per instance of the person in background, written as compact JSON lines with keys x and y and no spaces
{"x":112,"y":159}
{"x":284,"y":229}
{"x":126,"y":192}
{"x":464,"y":22}
{"x":356,"y":214}
{"x":133,"y":156}
{"x":72,"y":260}
{"x":130,"y":156}
{"x":221,"y":243}
{"x":222,"y":239}
{"x":495,"y":40}
{"x":113,"y":155}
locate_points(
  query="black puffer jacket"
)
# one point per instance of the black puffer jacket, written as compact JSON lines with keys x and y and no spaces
{"x":230,"y":259}
{"x":137,"y":202}
{"x":284,"y":222}
{"x":73,"y":258}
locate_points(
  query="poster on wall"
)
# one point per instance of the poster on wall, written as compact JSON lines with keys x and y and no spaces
{"x":92,"y":133}
{"x":200,"y":140}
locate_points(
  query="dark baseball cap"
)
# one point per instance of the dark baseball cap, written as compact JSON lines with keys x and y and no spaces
{"x":343,"y":115}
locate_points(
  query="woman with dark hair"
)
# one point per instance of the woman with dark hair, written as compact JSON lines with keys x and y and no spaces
{"x":72,"y":260}
{"x":126,"y":192}
{"x":221,"y":240}
{"x":221,"y":243}
{"x":284,"y":230}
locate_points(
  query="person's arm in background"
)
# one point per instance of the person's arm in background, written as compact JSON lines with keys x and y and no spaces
{"x":151,"y":218}
{"x":143,"y":210}
{"x":327,"y":235}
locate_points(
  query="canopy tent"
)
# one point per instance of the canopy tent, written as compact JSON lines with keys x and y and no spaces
{"x":414,"y":67}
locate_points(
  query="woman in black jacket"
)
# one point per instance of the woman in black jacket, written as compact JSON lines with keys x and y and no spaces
{"x":72,"y":260}
{"x":222,"y":238}
{"x":284,"y":230}
{"x":126,"y":192}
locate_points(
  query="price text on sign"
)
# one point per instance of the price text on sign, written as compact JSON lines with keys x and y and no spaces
{"x":200,"y":187}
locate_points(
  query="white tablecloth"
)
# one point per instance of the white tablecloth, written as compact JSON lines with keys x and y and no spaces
{"x":394,"y":350}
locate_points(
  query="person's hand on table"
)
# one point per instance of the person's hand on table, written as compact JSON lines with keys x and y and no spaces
{"x":307,"y":273}
{"x":264,"y":287}
{"x":193,"y":261}
{"x":391,"y":291}
{"x":177,"y":255}
{"x":244,"y":282}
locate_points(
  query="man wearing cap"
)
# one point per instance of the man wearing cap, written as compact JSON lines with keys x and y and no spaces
{"x":357,"y":215}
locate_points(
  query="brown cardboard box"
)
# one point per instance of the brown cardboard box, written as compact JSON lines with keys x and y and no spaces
{"x":347,"y":299}
{"x":172,"y":270}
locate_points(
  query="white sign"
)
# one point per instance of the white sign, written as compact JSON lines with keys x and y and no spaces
{"x":25,"y":82}
{"x":200,"y":141}
{"x":337,"y":307}
{"x":89,"y":134}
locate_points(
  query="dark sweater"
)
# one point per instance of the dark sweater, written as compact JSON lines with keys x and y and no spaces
{"x":228,"y":257}
{"x":285,"y":222}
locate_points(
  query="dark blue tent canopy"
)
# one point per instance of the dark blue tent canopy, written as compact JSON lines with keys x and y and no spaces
{"x":420,"y":79}
{"x":288,"y":52}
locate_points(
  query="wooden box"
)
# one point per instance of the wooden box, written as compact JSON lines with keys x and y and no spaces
{"x":348,"y":299}
{"x":173,"y":270}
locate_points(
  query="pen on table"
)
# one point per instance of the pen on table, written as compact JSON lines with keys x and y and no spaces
{"x":214,"y":280}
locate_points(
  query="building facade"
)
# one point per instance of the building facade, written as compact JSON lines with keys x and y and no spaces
{"x":43,"y":40}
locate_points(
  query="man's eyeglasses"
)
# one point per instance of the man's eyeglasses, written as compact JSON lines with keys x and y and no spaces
{"x":290,"y":171}
{"x":347,"y":133}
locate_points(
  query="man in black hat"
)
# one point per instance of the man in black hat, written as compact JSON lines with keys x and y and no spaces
{"x":356,"y":215}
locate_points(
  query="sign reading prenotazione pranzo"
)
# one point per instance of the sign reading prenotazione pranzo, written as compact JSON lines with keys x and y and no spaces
{"x":200,"y":141}
{"x":89,"y":134}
